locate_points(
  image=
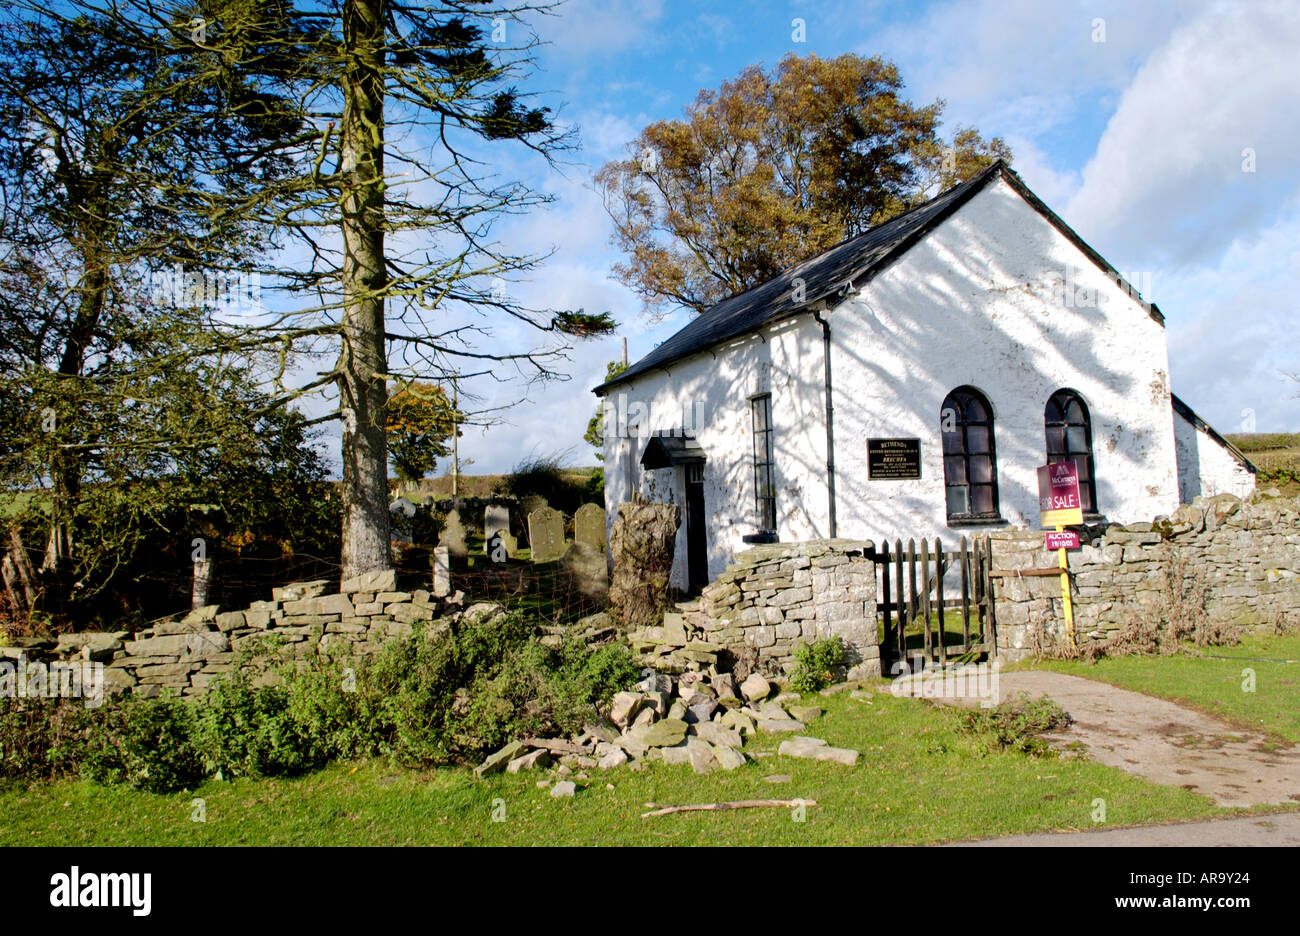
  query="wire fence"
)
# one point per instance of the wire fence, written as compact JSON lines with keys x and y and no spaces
{"x":554,"y":592}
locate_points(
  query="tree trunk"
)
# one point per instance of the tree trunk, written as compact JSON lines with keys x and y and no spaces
{"x":362,"y":364}
{"x":19,"y":576}
{"x":65,"y":466}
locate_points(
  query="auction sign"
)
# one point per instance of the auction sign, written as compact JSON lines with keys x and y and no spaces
{"x":1062,"y":539}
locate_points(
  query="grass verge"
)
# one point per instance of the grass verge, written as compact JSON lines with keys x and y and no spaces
{"x":920,"y":779}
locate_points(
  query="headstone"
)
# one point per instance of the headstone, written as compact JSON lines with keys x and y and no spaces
{"x":403,"y":506}
{"x":589,"y":526}
{"x":584,"y":567}
{"x":441,"y":572}
{"x":453,"y":535}
{"x":400,"y":527}
{"x":495,"y":517}
{"x":546,"y":534}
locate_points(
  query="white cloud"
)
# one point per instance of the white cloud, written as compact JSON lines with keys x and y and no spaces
{"x":1231,"y":332}
{"x":583,"y":28}
{"x":1054,"y":187}
{"x":1166,"y":183}
{"x":977,"y":55}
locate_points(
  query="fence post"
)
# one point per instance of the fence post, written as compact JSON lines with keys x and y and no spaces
{"x":202,"y":583}
{"x":965,"y":596}
{"x":925,"y":596}
{"x":989,"y":597}
{"x":887,"y":633}
{"x":938,"y":594}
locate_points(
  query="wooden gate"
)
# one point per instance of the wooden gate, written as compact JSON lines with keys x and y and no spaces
{"x":923,"y":621}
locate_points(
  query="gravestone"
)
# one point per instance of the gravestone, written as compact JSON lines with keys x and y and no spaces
{"x":441,"y":572}
{"x":546,"y":534}
{"x":495,"y":517}
{"x":400,"y":527}
{"x":403,"y":506}
{"x":584,"y":567}
{"x":589,"y":526}
{"x":453,"y":535}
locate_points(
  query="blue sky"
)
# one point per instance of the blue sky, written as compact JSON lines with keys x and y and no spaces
{"x":1128,"y":119}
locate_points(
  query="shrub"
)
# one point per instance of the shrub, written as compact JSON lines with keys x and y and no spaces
{"x":815,"y":665}
{"x":1178,"y":615}
{"x":148,"y":744}
{"x":543,"y":477}
{"x":1018,"y":723}
{"x":447,"y":694}
{"x":441,"y":694}
{"x":42,"y":739}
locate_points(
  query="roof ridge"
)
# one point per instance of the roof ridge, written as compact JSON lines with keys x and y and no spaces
{"x":875,"y":228}
{"x":735,"y":316}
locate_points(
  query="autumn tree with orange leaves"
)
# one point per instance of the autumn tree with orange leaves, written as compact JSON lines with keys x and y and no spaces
{"x":771,"y":169}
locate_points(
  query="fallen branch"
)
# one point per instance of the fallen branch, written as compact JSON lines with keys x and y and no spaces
{"x":738,"y":804}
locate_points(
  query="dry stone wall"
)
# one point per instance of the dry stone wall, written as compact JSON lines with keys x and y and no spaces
{"x":776,"y":596}
{"x":186,"y":655}
{"x":1239,"y":559}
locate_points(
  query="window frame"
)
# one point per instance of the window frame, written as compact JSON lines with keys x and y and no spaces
{"x":1088,"y":484}
{"x":764,"y":463}
{"x":957,"y":399}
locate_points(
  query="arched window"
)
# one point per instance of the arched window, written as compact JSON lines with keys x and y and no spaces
{"x":970,"y":469}
{"x":1069,"y":436}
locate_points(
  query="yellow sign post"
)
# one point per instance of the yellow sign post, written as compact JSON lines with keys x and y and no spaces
{"x":1065,"y":590}
{"x":1059,"y":504}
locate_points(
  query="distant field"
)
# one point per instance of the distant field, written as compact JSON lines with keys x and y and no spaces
{"x":483,"y":485}
{"x":1276,"y":455}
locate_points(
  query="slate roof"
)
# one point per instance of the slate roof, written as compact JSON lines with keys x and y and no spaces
{"x":832,"y":274}
{"x":664,"y":450}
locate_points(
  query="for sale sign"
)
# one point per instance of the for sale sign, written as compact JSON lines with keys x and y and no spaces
{"x":1062,"y":539}
{"x":1058,"y":494}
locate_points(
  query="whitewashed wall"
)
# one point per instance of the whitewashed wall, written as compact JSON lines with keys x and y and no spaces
{"x":1205,"y":467}
{"x":982,"y":301}
{"x":714,"y":393}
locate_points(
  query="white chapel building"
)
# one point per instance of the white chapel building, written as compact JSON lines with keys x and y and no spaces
{"x":908,"y":383}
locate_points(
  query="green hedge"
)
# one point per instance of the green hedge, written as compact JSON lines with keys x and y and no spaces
{"x":441,"y":695}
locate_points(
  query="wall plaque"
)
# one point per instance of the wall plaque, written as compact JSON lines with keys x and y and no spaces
{"x":894,"y":459}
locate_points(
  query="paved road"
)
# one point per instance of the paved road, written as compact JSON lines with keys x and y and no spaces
{"x":1271,"y":830}
{"x":1160,"y":740}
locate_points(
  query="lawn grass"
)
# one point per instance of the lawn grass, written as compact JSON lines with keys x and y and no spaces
{"x":919,"y":780}
{"x":1211,"y":679}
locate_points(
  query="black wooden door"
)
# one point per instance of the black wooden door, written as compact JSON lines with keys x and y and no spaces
{"x":697,"y":559}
